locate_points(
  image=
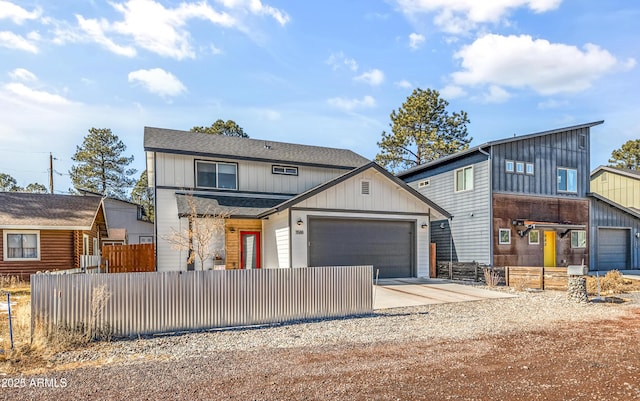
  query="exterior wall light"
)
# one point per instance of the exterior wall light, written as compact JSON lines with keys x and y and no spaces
{"x":299,"y":222}
{"x":424,"y":225}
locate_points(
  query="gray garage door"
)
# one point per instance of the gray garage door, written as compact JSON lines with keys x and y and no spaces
{"x":387,"y":245}
{"x":613,"y":249}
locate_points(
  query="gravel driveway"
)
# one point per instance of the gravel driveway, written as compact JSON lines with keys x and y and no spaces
{"x":491,"y":349}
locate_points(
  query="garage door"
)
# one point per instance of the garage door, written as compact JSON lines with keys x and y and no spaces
{"x":387,"y":245}
{"x":613,"y":249}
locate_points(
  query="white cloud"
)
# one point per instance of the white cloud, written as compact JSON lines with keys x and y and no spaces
{"x":415,"y":40}
{"x":16,"y":13}
{"x":95,"y":31}
{"x":158,"y":81}
{"x":404,"y":84}
{"x":372,"y":77}
{"x":522,"y":62}
{"x":150,"y":25}
{"x":256,"y":7}
{"x":452,"y":92}
{"x":34,"y":95}
{"x":13,"y":41}
{"x":339,"y":60}
{"x":21,"y":74}
{"x":496,"y":95}
{"x":352,"y":104}
{"x":460,"y":16}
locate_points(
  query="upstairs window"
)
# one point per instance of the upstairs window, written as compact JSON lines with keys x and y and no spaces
{"x":464,"y":179}
{"x":216,"y":175}
{"x":21,"y":245}
{"x":519,"y":167}
{"x":284,"y":170}
{"x":567,"y":180}
{"x":509,"y":166}
{"x":529,"y":168}
{"x":365,"y":187}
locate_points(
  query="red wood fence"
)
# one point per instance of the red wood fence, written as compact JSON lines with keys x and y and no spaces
{"x":137,"y":258}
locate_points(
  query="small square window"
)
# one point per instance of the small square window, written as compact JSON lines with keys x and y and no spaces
{"x":534,"y":237}
{"x":578,"y":239}
{"x":508,"y":165}
{"x":582,"y":141}
{"x":284,"y":170}
{"x":504,"y":236}
{"x":520,"y":167}
{"x":529,"y":168}
{"x":424,"y":183}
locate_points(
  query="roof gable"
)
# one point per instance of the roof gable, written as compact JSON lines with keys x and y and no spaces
{"x":185,"y":142}
{"x":471,"y":151}
{"x":19,"y":209}
{"x":633,"y":174}
{"x":386,"y":176}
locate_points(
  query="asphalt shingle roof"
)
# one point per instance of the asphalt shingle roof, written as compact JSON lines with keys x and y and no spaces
{"x":174,"y":141}
{"x":235,"y":206}
{"x":47,"y":210}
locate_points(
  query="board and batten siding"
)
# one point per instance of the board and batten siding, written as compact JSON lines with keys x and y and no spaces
{"x":166,"y":218}
{"x":275,"y":237}
{"x":547,"y":153}
{"x":604,"y":215}
{"x":471,"y":210}
{"x":619,"y":188}
{"x":178,"y":171}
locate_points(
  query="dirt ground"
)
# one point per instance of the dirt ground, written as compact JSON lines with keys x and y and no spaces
{"x":578,"y":361}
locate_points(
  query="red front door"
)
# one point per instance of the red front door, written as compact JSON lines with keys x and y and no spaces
{"x":250,"y":250}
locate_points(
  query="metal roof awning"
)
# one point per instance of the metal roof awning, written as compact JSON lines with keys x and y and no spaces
{"x":532,"y":225}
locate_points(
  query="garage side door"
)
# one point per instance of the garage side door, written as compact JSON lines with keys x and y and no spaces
{"x":613,"y":249}
{"x":387,"y":245}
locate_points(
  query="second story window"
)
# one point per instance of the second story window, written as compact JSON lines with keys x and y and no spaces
{"x":567,"y":180}
{"x":216,"y":175}
{"x":464,"y":179}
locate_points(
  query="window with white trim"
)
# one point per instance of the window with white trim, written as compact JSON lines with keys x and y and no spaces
{"x":504,"y":236}
{"x":509,"y":166}
{"x":520,"y":167}
{"x":216,"y":175}
{"x":284,"y":170}
{"x":578,"y":239}
{"x":464,"y":179}
{"x":567,"y":179}
{"x":21,"y":245}
{"x":424,"y":183}
{"x":534,"y":237}
{"x":529,"y":168}
{"x":146,"y":239}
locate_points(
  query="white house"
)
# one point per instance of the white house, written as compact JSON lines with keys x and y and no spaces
{"x":290,"y":205}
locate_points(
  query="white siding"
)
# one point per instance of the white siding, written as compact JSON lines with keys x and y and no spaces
{"x":276,"y":241}
{"x":178,"y":171}
{"x":471,"y":224}
{"x":168,"y":259}
{"x":125,"y":215}
{"x":385,"y":195}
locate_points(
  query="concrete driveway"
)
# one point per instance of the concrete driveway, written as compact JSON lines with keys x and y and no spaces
{"x":398,"y":293}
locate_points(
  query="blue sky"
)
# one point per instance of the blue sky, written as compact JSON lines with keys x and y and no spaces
{"x":324,"y":73}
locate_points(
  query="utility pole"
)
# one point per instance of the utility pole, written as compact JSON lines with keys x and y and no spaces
{"x":50,"y":172}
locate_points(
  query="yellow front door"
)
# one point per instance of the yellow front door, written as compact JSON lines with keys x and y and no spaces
{"x":549,"y":248}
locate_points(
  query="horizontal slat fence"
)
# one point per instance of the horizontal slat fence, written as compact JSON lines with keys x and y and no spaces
{"x":537,"y":277}
{"x":161,"y":302}
{"x":135,"y":258}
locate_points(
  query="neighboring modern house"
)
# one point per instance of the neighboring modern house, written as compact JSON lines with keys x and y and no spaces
{"x":615,"y":219}
{"x":44,"y":232}
{"x":127,"y":221}
{"x":518,"y":201}
{"x":290,"y":205}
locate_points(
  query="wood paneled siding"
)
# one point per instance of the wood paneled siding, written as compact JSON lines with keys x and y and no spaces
{"x":233,"y":227}
{"x":178,"y":171}
{"x":547,"y":153}
{"x":56,"y":253}
{"x":519,"y":252}
{"x":605,"y":215}
{"x":471,"y":214}
{"x":621,"y":189}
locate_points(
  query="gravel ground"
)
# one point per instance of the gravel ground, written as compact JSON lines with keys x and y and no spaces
{"x":382,"y":348}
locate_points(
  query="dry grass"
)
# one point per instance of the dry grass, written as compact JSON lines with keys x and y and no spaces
{"x":491,"y":277}
{"x":611,"y":284}
{"x":34,"y":353}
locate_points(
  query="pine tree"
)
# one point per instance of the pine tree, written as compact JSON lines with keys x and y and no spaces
{"x":100,"y":165}
{"x":220,"y":127}
{"x":422,"y":130}
{"x":143,"y":196}
{"x":628,"y":156}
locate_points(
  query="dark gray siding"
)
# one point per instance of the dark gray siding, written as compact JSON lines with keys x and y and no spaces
{"x":547,"y":153}
{"x":606,"y":215}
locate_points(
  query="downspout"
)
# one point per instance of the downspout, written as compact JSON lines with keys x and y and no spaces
{"x":490,"y":156}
